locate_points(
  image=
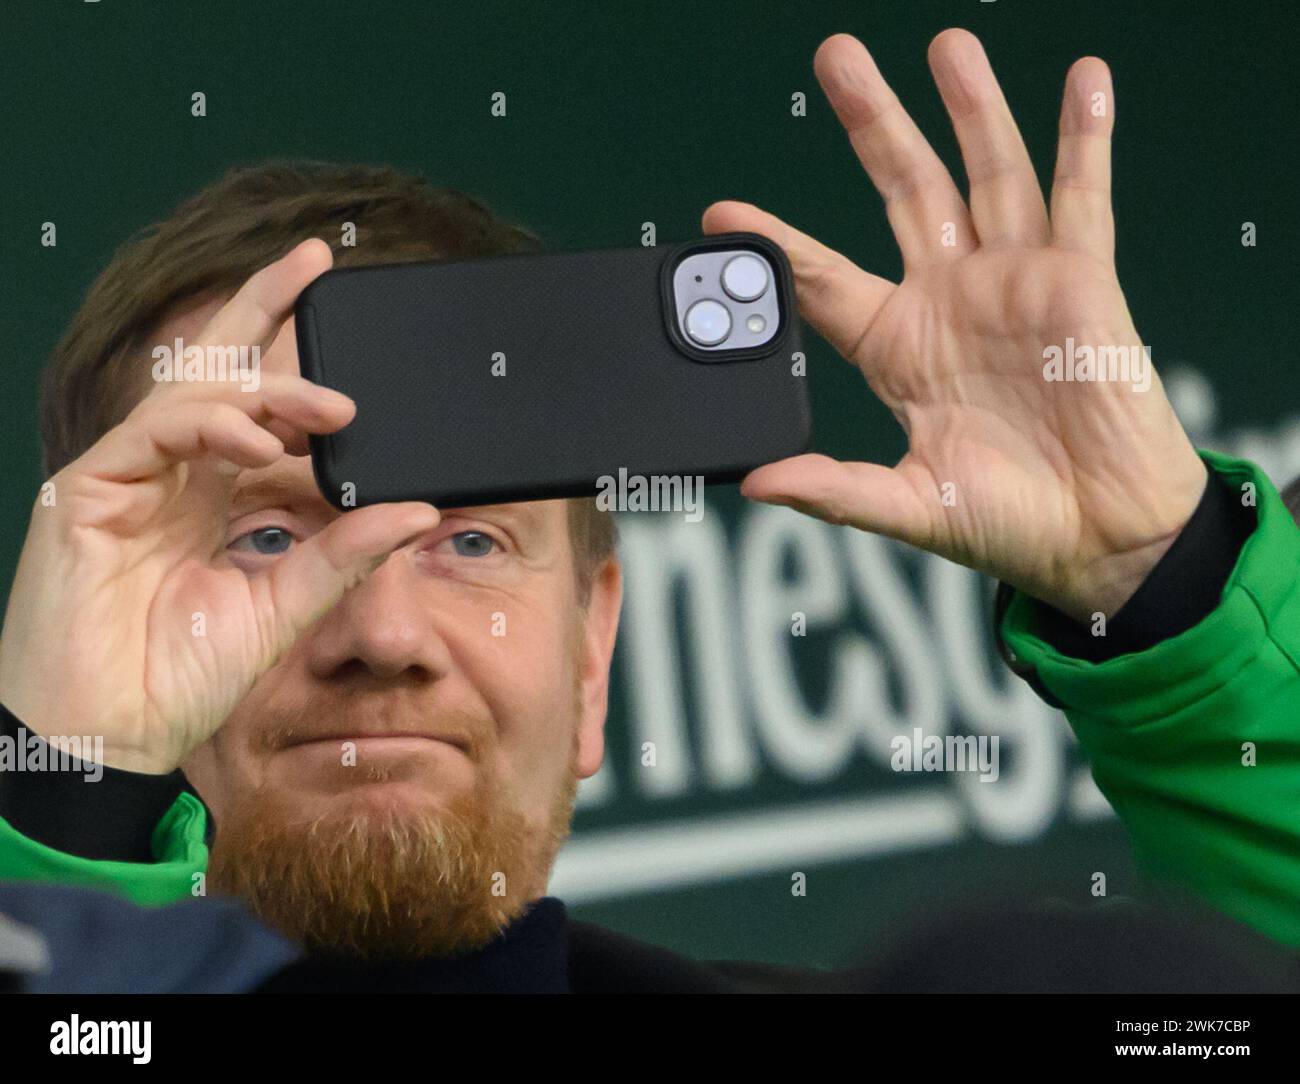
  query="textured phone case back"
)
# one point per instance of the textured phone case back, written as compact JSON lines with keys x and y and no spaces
{"x":593,"y":379}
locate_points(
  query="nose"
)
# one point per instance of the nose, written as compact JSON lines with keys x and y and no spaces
{"x":382,"y":627}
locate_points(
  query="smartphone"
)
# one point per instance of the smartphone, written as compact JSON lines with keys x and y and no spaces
{"x":539,"y":375}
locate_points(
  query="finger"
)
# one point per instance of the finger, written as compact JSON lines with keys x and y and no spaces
{"x":835,"y":295}
{"x":181,"y":423}
{"x":214,"y":429}
{"x":287,"y":395}
{"x":254,"y":316}
{"x":313,"y":576}
{"x":927,"y":213}
{"x":868,"y":496}
{"x":1082,"y":218}
{"x":190,"y":431}
{"x":215,"y":435}
{"x":294,"y":440}
{"x":1006,"y":200}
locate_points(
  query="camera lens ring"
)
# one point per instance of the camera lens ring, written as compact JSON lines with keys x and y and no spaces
{"x":708,"y":322}
{"x":745,"y":277}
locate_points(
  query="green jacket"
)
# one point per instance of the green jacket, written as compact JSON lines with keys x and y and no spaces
{"x":1195,"y":742}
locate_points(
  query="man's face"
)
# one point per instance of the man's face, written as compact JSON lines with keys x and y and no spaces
{"x":423,"y":736}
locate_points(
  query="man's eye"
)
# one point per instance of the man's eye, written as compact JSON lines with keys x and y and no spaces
{"x":265,"y":541}
{"x":473,"y":543}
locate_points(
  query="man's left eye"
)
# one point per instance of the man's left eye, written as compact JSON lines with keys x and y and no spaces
{"x":265,"y":542}
{"x":473,"y":543}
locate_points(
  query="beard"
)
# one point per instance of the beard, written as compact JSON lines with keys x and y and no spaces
{"x":392,"y":883}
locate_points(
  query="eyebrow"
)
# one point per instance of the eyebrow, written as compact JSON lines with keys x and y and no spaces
{"x":284,"y":490}
{"x":274,"y":489}
{"x":527,"y":514}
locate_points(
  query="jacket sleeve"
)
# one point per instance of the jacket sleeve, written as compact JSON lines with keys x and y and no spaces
{"x":86,"y":825}
{"x":1195,"y":740}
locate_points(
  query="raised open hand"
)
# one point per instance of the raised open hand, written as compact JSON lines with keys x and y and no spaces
{"x":1020,"y":464}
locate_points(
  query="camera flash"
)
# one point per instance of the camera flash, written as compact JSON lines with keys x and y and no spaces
{"x":756,"y":324}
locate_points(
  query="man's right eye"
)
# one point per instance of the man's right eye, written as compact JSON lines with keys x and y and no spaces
{"x":265,"y":542}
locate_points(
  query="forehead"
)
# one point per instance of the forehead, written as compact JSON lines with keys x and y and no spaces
{"x":188,"y":320}
{"x":291,"y":479}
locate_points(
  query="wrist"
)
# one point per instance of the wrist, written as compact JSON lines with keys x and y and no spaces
{"x":1113,"y":583}
{"x":54,"y":724}
{"x":1106,"y":584}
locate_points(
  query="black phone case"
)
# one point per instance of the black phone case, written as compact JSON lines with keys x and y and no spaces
{"x":597,"y":378}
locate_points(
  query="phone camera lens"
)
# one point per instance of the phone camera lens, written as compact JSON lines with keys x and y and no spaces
{"x":745,"y":278}
{"x":708,"y":322}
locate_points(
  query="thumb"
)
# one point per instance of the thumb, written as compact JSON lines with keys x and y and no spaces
{"x":310,"y":579}
{"x":868,"y":496}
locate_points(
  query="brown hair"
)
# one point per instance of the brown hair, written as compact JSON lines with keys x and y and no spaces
{"x":223,"y":234}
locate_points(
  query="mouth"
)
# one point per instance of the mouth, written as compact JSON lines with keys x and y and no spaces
{"x":394,"y":741}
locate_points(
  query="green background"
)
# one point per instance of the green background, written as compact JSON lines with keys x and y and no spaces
{"x":622,"y":113}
